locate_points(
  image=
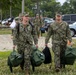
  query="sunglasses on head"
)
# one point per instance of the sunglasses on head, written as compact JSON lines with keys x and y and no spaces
{"x":58,"y":15}
{"x":27,"y":16}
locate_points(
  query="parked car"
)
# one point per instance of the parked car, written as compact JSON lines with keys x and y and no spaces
{"x":48,"y":20}
{"x":7,"y":21}
{"x":69,"y":18}
{"x":4,"y":22}
{"x":73,"y":28}
{"x":10,"y":20}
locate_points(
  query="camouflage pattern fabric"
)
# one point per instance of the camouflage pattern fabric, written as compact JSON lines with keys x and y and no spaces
{"x":24,"y":41}
{"x":60,"y":34}
{"x":38,"y":24}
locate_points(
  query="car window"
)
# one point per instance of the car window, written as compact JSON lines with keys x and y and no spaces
{"x":66,"y":18}
{"x":73,"y":17}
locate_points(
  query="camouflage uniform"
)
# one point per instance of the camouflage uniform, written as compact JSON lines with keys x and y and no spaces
{"x":60,"y":34}
{"x":24,"y":41}
{"x":38,"y":24}
{"x":41,"y":23}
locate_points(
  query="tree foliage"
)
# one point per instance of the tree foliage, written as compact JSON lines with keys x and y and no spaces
{"x":51,"y":7}
{"x":69,"y":7}
{"x":47,"y":7}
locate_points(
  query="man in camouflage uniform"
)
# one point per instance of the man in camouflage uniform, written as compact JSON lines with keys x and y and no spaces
{"x":24,"y":40}
{"x":38,"y":24}
{"x":60,"y":35}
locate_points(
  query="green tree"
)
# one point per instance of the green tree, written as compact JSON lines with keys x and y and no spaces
{"x":5,"y":6}
{"x":51,"y":7}
{"x":69,"y":7}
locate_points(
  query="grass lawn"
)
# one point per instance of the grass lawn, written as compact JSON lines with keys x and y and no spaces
{"x":5,"y":31}
{"x":41,"y":70}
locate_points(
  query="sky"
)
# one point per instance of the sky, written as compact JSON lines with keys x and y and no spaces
{"x":61,"y":1}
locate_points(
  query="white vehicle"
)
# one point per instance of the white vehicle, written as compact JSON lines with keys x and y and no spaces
{"x":73,"y":28}
{"x":48,"y":20}
{"x":4,"y":22}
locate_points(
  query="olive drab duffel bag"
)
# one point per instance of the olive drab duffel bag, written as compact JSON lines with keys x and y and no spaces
{"x":14,"y":59}
{"x":70,"y":56}
{"x":37,"y":58}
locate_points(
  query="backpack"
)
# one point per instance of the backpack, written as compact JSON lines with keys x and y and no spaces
{"x":48,"y":57}
{"x":37,"y":58}
{"x":14,"y":59}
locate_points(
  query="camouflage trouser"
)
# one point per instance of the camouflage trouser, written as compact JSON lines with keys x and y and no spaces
{"x":38,"y":30}
{"x":26,"y":51}
{"x":59,"y":52}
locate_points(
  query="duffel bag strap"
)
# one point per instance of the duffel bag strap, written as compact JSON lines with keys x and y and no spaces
{"x":33,"y":68}
{"x":11,"y":68}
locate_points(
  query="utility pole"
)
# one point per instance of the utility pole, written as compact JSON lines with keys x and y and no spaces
{"x":38,"y":7}
{"x":23,"y":4}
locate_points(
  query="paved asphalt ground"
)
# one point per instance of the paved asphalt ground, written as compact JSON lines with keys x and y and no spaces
{"x":6,"y":42}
